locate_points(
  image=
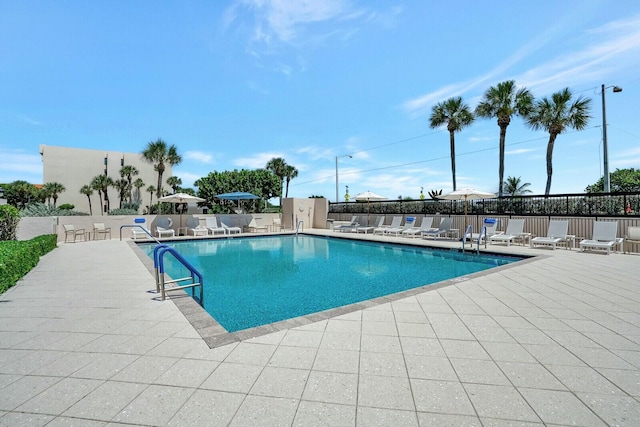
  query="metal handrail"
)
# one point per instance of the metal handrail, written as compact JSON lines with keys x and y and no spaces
{"x":482,"y":231}
{"x":468,"y":231}
{"x":158,"y":261}
{"x":300,"y":222}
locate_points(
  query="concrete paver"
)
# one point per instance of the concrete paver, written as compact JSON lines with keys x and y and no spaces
{"x":555,"y":340}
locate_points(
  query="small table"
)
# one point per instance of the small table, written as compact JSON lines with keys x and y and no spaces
{"x":182,"y":231}
{"x":524,"y":238}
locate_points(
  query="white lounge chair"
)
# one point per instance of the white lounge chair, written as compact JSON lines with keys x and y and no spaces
{"x":193,"y":226}
{"x":556,"y":233}
{"x":491,"y":226}
{"x":408,"y":224}
{"x":631,"y":238}
{"x":230,"y":229}
{"x":351,"y":227}
{"x":165,"y":232}
{"x":254,"y":227}
{"x":514,"y":230}
{"x":365,"y":229}
{"x":604,"y":237}
{"x":425,"y":225}
{"x":443,"y":229}
{"x":213,"y":226}
{"x":140,"y":232}
{"x":395,"y":223}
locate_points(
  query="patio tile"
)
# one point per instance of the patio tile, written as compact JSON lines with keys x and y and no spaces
{"x":106,"y":401}
{"x":627,"y":380}
{"x":232,"y":377}
{"x":173,"y":347}
{"x":385,"y":392}
{"x":553,"y":355}
{"x":265,"y":411}
{"x":432,"y":368}
{"x":442,"y":397}
{"x":207,"y":408}
{"x":348,"y":326}
{"x":302,"y":338}
{"x":531,"y":375}
{"x":22,"y":390}
{"x":331,"y":360}
{"x":379,"y":328}
{"x":448,"y":326}
{"x":615,"y":410}
{"x":187,"y":373}
{"x":280,"y":382}
{"x":315,"y":414}
{"x":385,"y":364}
{"x":559,"y":407}
{"x":105,"y":366}
{"x":380,"y":344}
{"x":293,"y":357}
{"x":583,"y":379}
{"x":60,"y":396}
{"x":23,"y":419}
{"x":507,"y":352}
{"x":464,"y":349}
{"x":251,"y":354}
{"x":600,"y":358}
{"x":497,"y":401}
{"x":341,"y":341}
{"x":428,"y":419}
{"x":30,"y":361}
{"x":145,"y":369}
{"x":479,"y":371}
{"x":66,"y":365}
{"x":378,"y":417}
{"x":156,"y":405}
{"x":331,"y":387}
{"x":530,"y":336}
{"x":414,"y":329}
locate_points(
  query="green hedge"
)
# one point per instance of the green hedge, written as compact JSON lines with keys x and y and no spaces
{"x":17,"y":258}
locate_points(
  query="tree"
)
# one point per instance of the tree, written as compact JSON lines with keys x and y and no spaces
{"x":502,"y":102}
{"x":278,"y":167}
{"x":20,"y":193}
{"x":622,"y":180}
{"x":556,"y":115}
{"x":158,"y":154}
{"x":129,"y":172}
{"x":456,"y":115}
{"x":101,"y":184}
{"x":122,"y":185}
{"x":515,"y":187}
{"x":290,"y":172}
{"x":52,"y":189}
{"x":138,"y":184}
{"x":87,"y":191}
{"x":174,"y":182}
{"x":151,"y":189}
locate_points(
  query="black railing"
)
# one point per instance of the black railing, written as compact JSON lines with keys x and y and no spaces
{"x":581,"y":204}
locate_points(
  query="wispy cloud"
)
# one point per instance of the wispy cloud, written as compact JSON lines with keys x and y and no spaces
{"x":518,"y":151}
{"x":199,"y":156}
{"x":17,"y":165}
{"x":257,"y":161}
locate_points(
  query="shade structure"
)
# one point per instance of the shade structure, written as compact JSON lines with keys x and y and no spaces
{"x":467,"y":194}
{"x":237,"y":195}
{"x":369,"y":196}
{"x":181,"y":198}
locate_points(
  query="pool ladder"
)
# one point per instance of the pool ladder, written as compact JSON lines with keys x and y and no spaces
{"x":469,"y":231}
{"x":163,"y":286}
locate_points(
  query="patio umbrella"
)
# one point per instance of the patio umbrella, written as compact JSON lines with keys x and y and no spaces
{"x":181,"y":198}
{"x":237,"y":195}
{"x":369,"y":196}
{"x":467,"y":194}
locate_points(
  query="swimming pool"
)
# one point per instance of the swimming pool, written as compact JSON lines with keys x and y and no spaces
{"x":255,"y":281}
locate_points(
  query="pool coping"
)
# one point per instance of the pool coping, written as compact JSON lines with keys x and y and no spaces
{"x":215,"y":335}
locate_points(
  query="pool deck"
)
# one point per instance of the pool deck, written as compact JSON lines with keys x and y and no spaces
{"x":553,"y":341}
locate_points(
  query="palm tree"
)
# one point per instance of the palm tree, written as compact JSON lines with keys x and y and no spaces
{"x":87,"y":191}
{"x":502,"y":102}
{"x":278,"y":167}
{"x":159,"y":154}
{"x":52,"y":189}
{"x":138,"y":183}
{"x":129,"y":172}
{"x":456,"y":115}
{"x":174,"y":182}
{"x":290,"y":172}
{"x":101,"y":183}
{"x":151,"y":189}
{"x":555,"y":115}
{"x":515,"y":187}
{"x":123,"y":187}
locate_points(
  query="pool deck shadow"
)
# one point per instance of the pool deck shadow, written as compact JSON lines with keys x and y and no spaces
{"x":552,"y":340}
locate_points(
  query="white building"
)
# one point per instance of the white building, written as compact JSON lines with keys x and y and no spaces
{"x":77,"y":167}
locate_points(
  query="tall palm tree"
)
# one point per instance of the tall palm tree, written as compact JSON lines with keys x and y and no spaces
{"x":87,"y":191}
{"x":174,"y":182}
{"x":52,"y":189}
{"x":101,"y":183}
{"x":502,"y":102}
{"x":157,"y":153}
{"x":456,"y":115}
{"x":290,"y":173}
{"x":555,"y":115}
{"x":122,"y":185}
{"x":515,"y":187}
{"x":129,"y":172}
{"x":278,"y":167}
{"x":138,"y":183}
{"x":151,"y":189}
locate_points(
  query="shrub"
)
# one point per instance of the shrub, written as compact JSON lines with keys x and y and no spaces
{"x":123,"y":211}
{"x":40,"y":209}
{"x":9,"y":219}
{"x":17,"y":258}
{"x":66,"y":206}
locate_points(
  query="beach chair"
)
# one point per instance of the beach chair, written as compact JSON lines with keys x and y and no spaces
{"x":194,"y":227}
{"x":631,"y":238}
{"x":514,"y":230}
{"x":365,"y":229}
{"x":213,"y":226}
{"x":556,"y":233}
{"x":70,"y":231}
{"x":425,"y":225}
{"x":254,"y":227}
{"x":604,"y":237}
{"x":230,"y":229}
{"x":349,"y":227}
{"x":408,"y":224}
{"x":443,"y":229}
{"x":100,"y":228}
{"x":395,"y":223}
{"x":165,"y":232}
{"x":140,"y":233}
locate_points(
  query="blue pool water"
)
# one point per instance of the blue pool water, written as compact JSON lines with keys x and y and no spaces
{"x":260,"y":280}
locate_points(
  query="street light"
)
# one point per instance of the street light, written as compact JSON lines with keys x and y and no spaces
{"x":605,"y":149}
{"x":346,"y":155}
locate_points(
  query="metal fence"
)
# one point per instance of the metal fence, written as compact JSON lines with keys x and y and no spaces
{"x":582,"y":205}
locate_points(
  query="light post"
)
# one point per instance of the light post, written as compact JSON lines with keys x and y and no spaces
{"x":605,"y":148}
{"x":337,"y":157}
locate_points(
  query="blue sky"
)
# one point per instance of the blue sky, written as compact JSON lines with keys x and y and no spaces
{"x":235,"y":83}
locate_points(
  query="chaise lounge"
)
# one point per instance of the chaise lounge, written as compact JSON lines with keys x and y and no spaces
{"x":556,"y":233}
{"x":604,"y":237}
